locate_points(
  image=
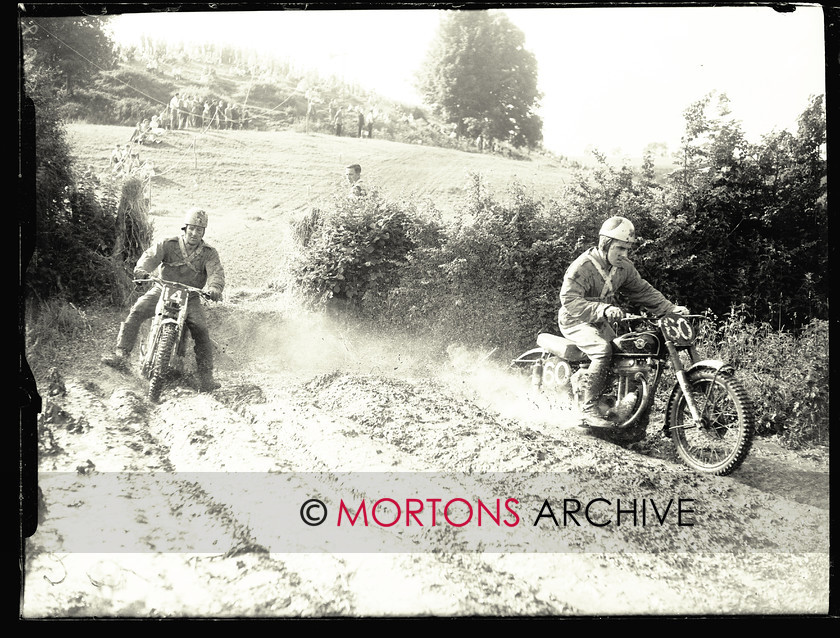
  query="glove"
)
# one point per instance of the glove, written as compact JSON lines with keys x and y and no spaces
{"x":681,"y":310}
{"x":214,"y":294}
{"x":613,"y":313}
{"x":139,"y":273}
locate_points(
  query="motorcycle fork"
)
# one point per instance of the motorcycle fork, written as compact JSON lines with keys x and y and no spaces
{"x":181,"y":341}
{"x":682,"y":379}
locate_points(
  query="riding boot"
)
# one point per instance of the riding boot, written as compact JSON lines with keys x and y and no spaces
{"x":119,"y":359}
{"x":206,"y":382}
{"x":204,"y":364}
{"x":593,"y":384}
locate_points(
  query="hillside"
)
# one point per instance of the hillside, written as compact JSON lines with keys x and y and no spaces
{"x":253,"y":183}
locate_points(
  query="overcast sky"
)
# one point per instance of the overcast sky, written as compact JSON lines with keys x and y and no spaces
{"x":613,"y":78}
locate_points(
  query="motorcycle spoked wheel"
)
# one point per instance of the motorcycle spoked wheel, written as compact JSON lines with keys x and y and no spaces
{"x":724,"y":438}
{"x":160,"y":360}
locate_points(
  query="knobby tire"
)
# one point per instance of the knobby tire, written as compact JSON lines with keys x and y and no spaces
{"x":720,"y":446}
{"x":160,"y":363}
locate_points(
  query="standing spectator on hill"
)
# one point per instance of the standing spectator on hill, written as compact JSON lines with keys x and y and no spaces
{"x":370,"y":123}
{"x":183,"y":117}
{"x":353,"y":173}
{"x":193,"y":111}
{"x":229,"y":115}
{"x":205,"y":115}
{"x":361,"y":123}
{"x":339,"y":115}
{"x":219,"y":114}
{"x":174,"y":107}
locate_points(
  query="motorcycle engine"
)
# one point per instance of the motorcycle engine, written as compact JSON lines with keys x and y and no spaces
{"x":630,"y":366}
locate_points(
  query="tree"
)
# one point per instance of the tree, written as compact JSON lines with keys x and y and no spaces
{"x":77,"y":48}
{"x":479,"y":76}
{"x":746,"y":223}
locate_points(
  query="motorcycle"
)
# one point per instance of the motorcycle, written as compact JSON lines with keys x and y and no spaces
{"x":709,"y":415}
{"x":164,"y":350}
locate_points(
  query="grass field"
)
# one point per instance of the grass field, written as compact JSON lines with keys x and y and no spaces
{"x":254,"y":183}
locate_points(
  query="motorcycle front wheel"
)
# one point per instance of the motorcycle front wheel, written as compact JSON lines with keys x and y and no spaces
{"x":723,"y":439}
{"x":160,"y":360}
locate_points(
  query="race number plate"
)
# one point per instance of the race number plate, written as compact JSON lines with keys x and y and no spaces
{"x":170,"y":293}
{"x":678,"y":330}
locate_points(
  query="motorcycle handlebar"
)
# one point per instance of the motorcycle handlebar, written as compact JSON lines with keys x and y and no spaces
{"x":158,"y":280}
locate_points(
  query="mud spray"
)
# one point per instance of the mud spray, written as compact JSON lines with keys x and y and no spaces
{"x":277,"y":336}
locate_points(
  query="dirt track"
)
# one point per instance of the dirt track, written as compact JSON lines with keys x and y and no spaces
{"x":318,"y":403}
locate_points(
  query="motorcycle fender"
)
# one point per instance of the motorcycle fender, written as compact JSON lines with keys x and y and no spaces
{"x":527,"y":357}
{"x":714,"y":364}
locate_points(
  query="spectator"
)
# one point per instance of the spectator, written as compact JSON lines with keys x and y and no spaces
{"x":137,"y":133}
{"x":174,"y":107}
{"x":353,"y":173}
{"x":339,"y":114}
{"x":219,"y":114}
{"x":116,"y":158}
{"x":205,"y":115}
{"x":370,"y":123}
{"x":183,"y":116}
{"x":361,"y":123}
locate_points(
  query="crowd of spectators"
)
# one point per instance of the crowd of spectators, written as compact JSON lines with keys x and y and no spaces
{"x":186,"y":111}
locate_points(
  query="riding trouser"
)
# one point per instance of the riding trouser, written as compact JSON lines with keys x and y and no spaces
{"x":594,"y":340}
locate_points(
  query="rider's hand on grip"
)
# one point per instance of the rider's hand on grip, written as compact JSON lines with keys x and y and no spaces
{"x":139,"y":273}
{"x":614,"y":313}
{"x":214,"y":294}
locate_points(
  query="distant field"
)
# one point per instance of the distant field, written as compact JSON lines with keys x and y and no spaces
{"x":253,"y":183}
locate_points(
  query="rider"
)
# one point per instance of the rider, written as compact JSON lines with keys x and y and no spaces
{"x":587,"y":300}
{"x":184,"y":259}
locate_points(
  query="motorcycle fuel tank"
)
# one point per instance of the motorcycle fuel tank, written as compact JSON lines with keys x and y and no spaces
{"x":637,"y":343}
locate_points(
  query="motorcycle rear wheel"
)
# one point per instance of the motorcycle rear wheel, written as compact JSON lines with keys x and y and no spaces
{"x":724,"y":438}
{"x":160,"y":360}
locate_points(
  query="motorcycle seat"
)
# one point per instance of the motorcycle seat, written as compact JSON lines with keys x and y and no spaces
{"x":560,"y":346}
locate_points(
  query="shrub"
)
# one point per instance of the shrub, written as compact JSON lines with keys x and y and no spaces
{"x":49,"y":325}
{"x":354,"y":253}
{"x":785,"y":374}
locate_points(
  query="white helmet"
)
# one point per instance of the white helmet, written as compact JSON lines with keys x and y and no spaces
{"x":195,"y":217}
{"x":619,"y":228}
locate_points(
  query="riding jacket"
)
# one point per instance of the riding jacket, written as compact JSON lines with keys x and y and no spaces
{"x":590,"y":285}
{"x":199,"y":268}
